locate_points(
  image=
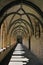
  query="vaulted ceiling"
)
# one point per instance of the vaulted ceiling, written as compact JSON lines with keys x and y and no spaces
{"x":22,"y":16}
{"x":39,"y":3}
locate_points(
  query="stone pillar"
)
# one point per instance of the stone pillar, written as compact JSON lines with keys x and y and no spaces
{"x":5,"y":39}
{"x":29,"y":43}
{"x":8,"y":40}
{"x":4,"y":36}
{"x":0,"y":40}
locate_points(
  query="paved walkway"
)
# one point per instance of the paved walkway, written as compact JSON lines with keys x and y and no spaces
{"x":21,"y":56}
{"x":17,"y":57}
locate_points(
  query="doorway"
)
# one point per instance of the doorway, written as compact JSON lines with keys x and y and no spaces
{"x":19,"y":39}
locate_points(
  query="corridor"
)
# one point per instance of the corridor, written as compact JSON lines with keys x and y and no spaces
{"x":21,"y":32}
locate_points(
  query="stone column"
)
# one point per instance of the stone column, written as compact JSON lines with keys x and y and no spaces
{"x":29,"y":43}
{"x":4,"y":36}
{"x":8,"y":40}
{"x":0,"y":39}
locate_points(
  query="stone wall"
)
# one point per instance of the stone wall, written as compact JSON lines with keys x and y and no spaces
{"x":37,"y":47}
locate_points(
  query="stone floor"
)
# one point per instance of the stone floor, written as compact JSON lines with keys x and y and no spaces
{"x":20,"y":56}
{"x":17,"y":57}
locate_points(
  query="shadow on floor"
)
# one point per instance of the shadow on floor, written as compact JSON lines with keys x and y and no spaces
{"x":33,"y":60}
{"x":6,"y":60}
